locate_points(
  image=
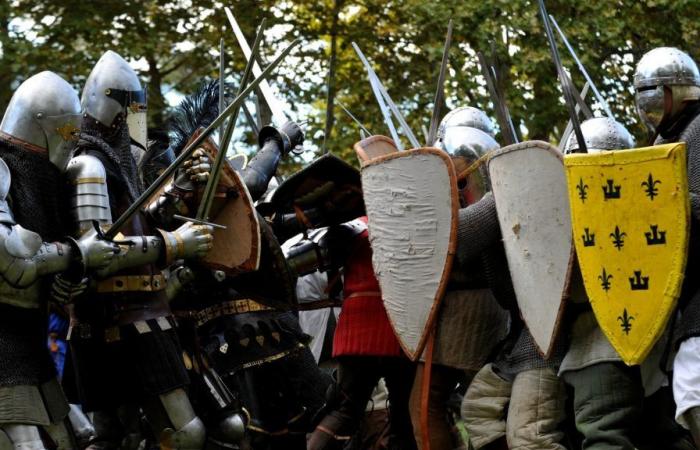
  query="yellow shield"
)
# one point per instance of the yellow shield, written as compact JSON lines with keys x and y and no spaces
{"x":630,"y":217}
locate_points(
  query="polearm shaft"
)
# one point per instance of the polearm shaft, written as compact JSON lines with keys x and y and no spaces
{"x":440,"y":90}
{"x":187,"y":152}
{"x":213,"y":181}
{"x":567,"y":130}
{"x":566,"y":87}
{"x":583,"y":70}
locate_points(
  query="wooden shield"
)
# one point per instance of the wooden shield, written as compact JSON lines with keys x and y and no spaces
{"x":412,"y":204}
{"x":237,"y":248}
{"x":630,"y":213}
{"x":529,"y":187}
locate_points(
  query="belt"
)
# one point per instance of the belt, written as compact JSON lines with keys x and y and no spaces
{"x":132,"y":283}
{"x":363,"y":294}
{"x":229,"y":308}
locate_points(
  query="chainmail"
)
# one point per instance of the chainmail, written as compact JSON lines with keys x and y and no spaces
{"x":114,"y":149}
{"x":38,"y":192}
{"x":687,"y":129}
{"x":479,"y":236}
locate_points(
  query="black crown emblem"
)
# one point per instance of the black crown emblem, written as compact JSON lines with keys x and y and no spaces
{"x":588,"y":238}
{"x":638,"y":282}
{"x":611,"y":191}
{"x":655,"y":237}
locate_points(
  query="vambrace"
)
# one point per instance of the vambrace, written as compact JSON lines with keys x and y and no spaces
{"x":24,"y":257}
{"x":478,"y":228}
{"x":134,"y":252}
{"x":274,"y":144}
{"x":90,"y":196}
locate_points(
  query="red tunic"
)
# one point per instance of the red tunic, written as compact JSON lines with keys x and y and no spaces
{"x":363,"y":326}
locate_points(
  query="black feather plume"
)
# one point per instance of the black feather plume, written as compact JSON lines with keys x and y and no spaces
{"x":195,"y":111}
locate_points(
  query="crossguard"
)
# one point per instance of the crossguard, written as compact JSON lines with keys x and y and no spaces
{"x":104,"y":237}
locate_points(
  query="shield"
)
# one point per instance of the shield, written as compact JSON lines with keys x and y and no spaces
{"x":630,"y":212}
{"x":237,"y":247}
{"x":328,"y":185}
{"x":412,"y":204}
{"x":529,"y":187}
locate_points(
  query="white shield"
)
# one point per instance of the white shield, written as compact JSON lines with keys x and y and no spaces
{"x":411,"y":200}
{"x":529,"y":186}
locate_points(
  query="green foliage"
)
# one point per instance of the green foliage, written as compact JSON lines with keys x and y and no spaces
{"x":176,"y":45}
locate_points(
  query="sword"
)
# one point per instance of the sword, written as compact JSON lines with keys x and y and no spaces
{"x":440,"y":91}
{"x":600,"y":98}
{"x":382,"y":105}
{"x":502,"y":114}
{"x":251,"y":120}
{"x":221,"y":87}
{"x":580,"y":103}
{"x":213,"y":181}
{"x":359,"y":124}
{"x":187,"y":151}
{"x":566,"y":87}
{"x":567,"y":130}
{"x":276,"y":106}
{"x":397,"y":114}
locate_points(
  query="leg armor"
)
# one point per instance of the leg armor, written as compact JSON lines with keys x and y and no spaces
{"x":82,"y":427}
{"x":21,"y":437}
{"x":175,"y":423}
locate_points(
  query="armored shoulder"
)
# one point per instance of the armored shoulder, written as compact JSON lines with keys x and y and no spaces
{"x":5,"y":181}
{"x":90,"y":197}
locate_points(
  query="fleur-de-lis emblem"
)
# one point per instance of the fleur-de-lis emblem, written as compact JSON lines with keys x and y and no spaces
{"x":618,"y":238}
{"x":626,"y":321}
{"x":650,"y":187}
{"x":605,"y":280}
{"x":581,"y":188}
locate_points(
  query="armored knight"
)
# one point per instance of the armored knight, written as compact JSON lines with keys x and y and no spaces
{"x":238,"y":330}
{"x":37,"y":137}
{"x":470,"y":322}
{"x":125,"y":349}
{"x":499,"y":402}
{"x":594,"y":370}
{"x":667,"y":86}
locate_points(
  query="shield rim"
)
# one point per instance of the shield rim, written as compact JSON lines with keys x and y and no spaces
{"x":360,"y":147}
{"x":638,"y":356}
{"x":451,"y":248}
{"x":566,"y":291}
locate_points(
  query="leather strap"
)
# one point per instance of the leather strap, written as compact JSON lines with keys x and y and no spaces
{"x":229,"y":308}
{"x":132,"y":283}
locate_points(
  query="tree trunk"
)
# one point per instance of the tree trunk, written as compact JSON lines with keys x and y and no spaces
{"x":156,"y":100}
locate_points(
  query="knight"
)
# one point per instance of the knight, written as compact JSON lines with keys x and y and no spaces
{"x":238,"y":330}
{"x":125,"y":349}
{"x":667,"y":94}
{"x":37,"y":138}
{"x":470,"y":322}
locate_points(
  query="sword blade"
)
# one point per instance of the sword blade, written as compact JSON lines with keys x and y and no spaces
{"x":187,"y":151}
{"x":580,"y":103}
{"x":222,"y":90}
{"x":568,"y":129}
{"x":507,"y":130}
{"x":566,"y":87}
{"x":583,"y":70}
{"x":213,"y":182}
{"x":380,"y":100}
{"x":440,"y":90}
{"x":277,"y":107}
{"x":392,"y":106}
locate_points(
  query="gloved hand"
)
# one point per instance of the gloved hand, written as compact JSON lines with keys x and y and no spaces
{"x":96,"y":253}
{"x":198,"y":167}
{"x":192,"y":240}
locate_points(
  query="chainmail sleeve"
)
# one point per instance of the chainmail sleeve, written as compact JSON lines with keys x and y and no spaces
{"x":477,"y":229}
{"x":691,"y":136}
